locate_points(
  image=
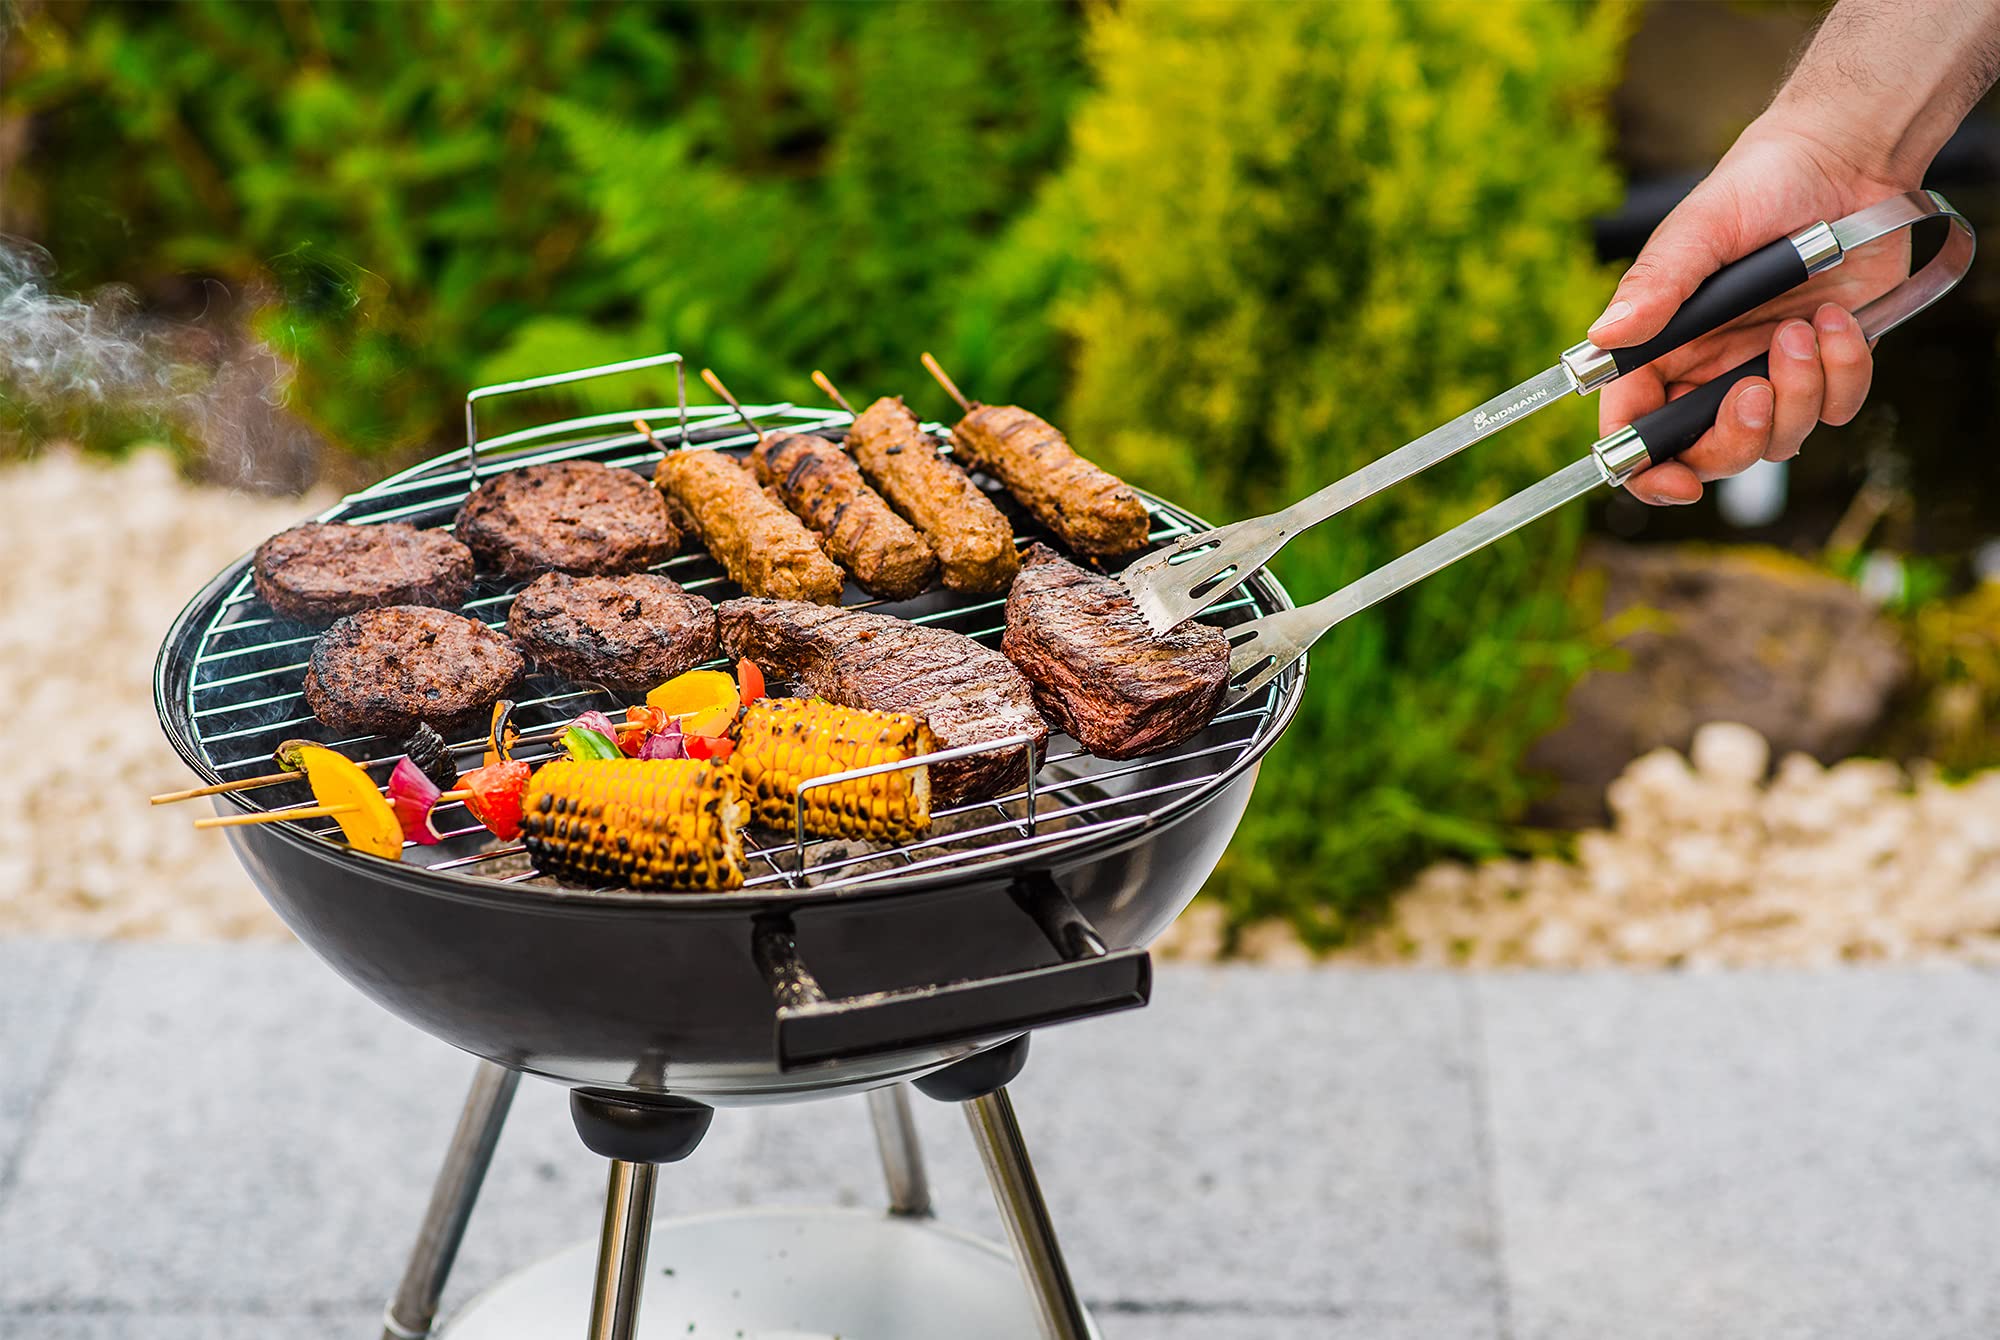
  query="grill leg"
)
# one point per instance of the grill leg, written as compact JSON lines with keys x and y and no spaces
{"x":636,"y":1133}
{"x":1026,"y":1215}
{"x":412,"y":1311}
{"x":902,"y":1157}
{"x":621,"y":1251}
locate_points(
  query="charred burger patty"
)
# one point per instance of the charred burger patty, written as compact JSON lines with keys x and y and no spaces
{"x":572,"y":516}
{"x":627,"y":633}
{"x":318,"y":572}
{"x":382,"y":671}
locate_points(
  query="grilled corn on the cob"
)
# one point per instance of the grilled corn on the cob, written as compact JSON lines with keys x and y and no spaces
{"x":785,"y":741}
{"x":659,"y":824}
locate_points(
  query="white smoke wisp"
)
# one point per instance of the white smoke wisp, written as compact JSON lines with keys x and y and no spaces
{"x":76,"y":365}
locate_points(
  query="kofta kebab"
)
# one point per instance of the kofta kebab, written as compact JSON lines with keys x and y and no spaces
{"x":658,"y":800}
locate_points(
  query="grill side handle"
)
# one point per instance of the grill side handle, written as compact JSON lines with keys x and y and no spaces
{"x":811,"y":1028}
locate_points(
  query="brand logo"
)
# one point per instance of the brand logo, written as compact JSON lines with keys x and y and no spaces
{"x":1483,"y":420}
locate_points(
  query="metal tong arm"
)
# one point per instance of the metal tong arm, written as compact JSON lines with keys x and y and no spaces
{"x":1263,"y":648}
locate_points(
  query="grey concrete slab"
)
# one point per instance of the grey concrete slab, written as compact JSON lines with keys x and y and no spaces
{"x":1368,"y":1324}
{"x":41,"y":987}
{"x":1757,"y":1155}
{"x":236,"y":1129}
{"x":351,"y":1323}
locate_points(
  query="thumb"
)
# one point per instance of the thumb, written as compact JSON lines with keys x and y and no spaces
{"x":1692,"y":243}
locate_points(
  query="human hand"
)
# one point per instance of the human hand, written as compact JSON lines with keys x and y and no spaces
{"x":1779,"y":177}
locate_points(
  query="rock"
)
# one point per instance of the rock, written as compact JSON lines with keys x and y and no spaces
{"x":1746,"y":636}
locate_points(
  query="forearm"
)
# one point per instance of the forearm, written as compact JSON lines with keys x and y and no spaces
{"x":1884,"y":83}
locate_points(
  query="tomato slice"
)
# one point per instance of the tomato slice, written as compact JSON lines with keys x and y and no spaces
{"x":749,"y":681}
{"x":370,"y":823}
{"x":496,"y":795}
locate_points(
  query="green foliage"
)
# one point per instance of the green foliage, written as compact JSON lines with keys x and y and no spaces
{"x":1315,"y":231}
{"x":421,"y":197}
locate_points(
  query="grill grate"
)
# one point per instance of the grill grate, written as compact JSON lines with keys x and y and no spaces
{"x":243,"y":695}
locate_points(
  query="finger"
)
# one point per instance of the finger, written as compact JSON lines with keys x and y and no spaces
{"x":1800,"y":384}
{"x":1741,"y":433}
{"x":1849,"y":365}
{"x":1698,"y":238}
{"x":1638,"y":392}
{"x":1669,"y":485}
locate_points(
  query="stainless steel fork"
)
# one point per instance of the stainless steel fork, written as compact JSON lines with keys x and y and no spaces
{"x":1262,"y":648}
{"x":1180,"y":581}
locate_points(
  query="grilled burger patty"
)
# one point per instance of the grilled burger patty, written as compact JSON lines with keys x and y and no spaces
{"x":382,"y":671}
{"x":319,"y":572}
{"x":1099,"y":671}
{"x":764,"y":548}
{"x":974,"y":543}
{"x":572,"y":516}
{"x":627,"y":633}
{"x":966,"y":692}
{"x":823,"y":487}
{"x":1090,"y":509}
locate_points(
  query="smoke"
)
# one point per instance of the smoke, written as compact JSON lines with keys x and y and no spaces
{"x":102,"y":370}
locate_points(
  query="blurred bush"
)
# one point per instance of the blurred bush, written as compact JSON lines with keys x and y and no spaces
{"x":1314,"y":232}
{"x":1288,"y":237}
{"x":418,"y":198}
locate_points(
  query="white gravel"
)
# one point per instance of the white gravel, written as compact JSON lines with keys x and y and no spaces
{"x":99,"y":559}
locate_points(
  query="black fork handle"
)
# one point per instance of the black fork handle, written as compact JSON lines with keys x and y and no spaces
{"x":1737,"y":288}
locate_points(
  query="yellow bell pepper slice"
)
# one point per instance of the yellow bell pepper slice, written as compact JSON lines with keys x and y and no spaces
{"x":705,"y":702}
{"x":370,"y":824}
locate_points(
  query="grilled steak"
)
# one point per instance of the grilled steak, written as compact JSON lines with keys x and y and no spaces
{"x":1090,"y":509}
{"x":572,"y":516}
{"x":627,"y":633}
{"x":319,"y":572}
{"x":968,"y":693}
{"x":823,"y":487}
{"x":1099,"y":672}
{"x":382,"y":671}
{"x":974,"y":543}
{"x":764,"y":548}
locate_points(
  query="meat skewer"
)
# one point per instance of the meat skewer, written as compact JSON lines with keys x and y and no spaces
{"x":764,"y":548}
{"x":974,"y":543}
{"x":823,"y":487}
{"x":1091,"y":510}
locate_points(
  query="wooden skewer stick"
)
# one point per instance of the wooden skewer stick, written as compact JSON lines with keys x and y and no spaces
{"x":274,"y":816}
{"x":715,"y":385}
{"x":825,"y":383}
{"x":950,"y":387}
{"x":222,"y":788}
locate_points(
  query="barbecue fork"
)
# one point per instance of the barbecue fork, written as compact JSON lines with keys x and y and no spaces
{"x":1180,"y":581}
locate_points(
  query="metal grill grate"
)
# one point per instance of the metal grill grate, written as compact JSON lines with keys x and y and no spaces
{"x":243,"y":691}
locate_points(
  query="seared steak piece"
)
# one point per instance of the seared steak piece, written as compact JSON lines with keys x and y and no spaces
{"x":823,"y":487}
{"x":1099,"y":672}
{"x":572,"y":516}
{"x":1091,"y":510}
{"x":382,"y":671}
{"x":319,"y":572}
{"x":627,"y":633}
{"x":764,"y":548}
{"x":974,"y":543}
{"x":968,"y":693}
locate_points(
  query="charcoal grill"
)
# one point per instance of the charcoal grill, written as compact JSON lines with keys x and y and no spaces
{"x":837,"y":968}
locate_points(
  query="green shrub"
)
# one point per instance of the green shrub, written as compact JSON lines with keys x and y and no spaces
{"x":418,"y":198}
{"x":1315,"y":231}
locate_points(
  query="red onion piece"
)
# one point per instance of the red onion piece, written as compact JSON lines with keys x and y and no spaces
{"x":413,"y":795}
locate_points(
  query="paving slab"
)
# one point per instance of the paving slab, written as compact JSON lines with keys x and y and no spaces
{"x":42,"y":983}
{"x":1767,"y":1155}
{"x":238,"y":1131}
{"x":351,"y":1323}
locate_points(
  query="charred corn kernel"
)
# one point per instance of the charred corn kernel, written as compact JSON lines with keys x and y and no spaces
{"x":655,"y":824}
{"x":786,"y":741}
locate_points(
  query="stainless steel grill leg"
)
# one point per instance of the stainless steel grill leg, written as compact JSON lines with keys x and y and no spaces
{"x":412,"y":1311}
{"x":1026,"y":1215}
{"x":621,"y":1251}
{"x":902,"y":1156}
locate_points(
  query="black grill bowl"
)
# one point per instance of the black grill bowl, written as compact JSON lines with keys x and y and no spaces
{"x":699,"y":994}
